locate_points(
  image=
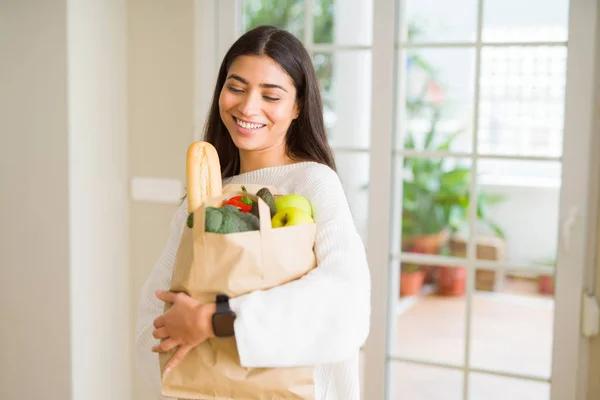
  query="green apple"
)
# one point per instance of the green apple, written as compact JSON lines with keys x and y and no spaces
{"x":290,"y":216}
{"x":293,"y":200}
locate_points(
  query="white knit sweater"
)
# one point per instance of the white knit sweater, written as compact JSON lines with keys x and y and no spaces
{"x":321,"y":319}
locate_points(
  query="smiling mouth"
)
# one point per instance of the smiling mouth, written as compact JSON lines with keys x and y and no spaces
{"x":248,"y":125}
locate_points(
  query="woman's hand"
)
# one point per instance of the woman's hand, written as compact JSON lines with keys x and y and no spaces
{"x":186,"y":324}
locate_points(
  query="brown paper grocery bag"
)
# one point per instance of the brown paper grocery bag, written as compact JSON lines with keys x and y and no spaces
{"x":237,"y":263}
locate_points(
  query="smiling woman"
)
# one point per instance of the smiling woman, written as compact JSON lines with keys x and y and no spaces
{"x":267,"y":78}
{"x":257,"y":104}
{"x":266,"y":123}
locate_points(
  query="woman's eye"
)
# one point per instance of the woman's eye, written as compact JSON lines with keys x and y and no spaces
{"x":234,"y":90}
{"x":268,"y":98}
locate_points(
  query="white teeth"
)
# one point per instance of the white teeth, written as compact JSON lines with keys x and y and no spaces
{"x":247,"y":125}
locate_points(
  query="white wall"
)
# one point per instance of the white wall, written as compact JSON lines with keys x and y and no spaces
{"x":99,"y":221}
{"x":64,"y":177}
{"x":161,"y":126}
{"x":34,"y":234}
{"x":529,"y":218}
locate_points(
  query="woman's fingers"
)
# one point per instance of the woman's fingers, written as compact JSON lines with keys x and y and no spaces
{"x":165,"y":345}
{"x":177,"y":357}
{"x":166,"y":296}
{"x":159,"y":322}
{"x":160,"y":333}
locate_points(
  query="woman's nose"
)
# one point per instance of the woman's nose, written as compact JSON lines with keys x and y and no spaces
{"x":250,"y":105}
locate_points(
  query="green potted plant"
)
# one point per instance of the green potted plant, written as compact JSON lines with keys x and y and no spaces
{"x":411,"y":279}
{"x":451,"y":281}
{"x":436,"y":196}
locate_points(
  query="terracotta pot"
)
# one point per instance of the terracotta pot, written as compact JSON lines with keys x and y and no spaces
{"x":429,"y":271}
{"x":546,"y":284}
{"x":428,"y":244}
{"x":411,"y":283}
{"x":451,"y":281}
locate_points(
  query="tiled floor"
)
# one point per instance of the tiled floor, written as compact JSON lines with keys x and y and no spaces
{"x":510,"y":333}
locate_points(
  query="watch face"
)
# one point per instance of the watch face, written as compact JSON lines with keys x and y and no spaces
{"x":223,"y":324}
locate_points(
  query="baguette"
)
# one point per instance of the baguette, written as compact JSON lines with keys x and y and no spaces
{"x":203,"y":174}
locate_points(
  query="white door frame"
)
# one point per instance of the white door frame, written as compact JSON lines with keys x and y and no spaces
{"x":216,"y":25}
{"x":216,"y":30}
{"x":384,"y":278}
{"x":578,"y":205}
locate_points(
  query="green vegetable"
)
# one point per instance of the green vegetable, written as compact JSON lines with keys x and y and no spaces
{"x":229,"y":219}
{"x":213,"y":219}
{"x":246,"y":199}
{"x":251,"y":219}
{"x":268,"y":198}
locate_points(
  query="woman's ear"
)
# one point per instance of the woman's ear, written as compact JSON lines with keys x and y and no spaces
{"x":297,"y":109}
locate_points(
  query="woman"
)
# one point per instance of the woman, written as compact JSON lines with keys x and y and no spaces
{"x":266,"y":123}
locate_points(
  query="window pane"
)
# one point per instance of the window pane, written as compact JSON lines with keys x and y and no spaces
{"x":345,"y":79}
{"x":430,"y":325}
{"x":512,"y":329}
{"x":488,"y":387}
{"x":435,"y":208}
{"x":343,"y":22}
{"x":525,"y":21}
{"x":284,"y":14}
{"x":353,"y":169}
{"x":437,"y":21}
{"x":519,"y":207}
{"x":437,"y":91}
{"x":435,"y":202}
{"x":512,"y":323}
{"x":521,"y":109}
{"x":416,"y":382}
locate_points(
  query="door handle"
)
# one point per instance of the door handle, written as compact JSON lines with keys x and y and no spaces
{"x":567,"y":228}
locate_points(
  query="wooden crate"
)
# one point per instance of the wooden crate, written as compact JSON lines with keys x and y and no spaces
{"x":489,"y":248}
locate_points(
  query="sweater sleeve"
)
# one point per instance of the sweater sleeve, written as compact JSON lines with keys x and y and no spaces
{"x":324,"y":316}
{"x":150,"y":307}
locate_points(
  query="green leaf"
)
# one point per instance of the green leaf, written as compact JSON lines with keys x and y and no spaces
{"x":456,"y":177}
{"x":497,"y":230}
{"x":408,"y":224}
{"x":409,"y":141}
{"x":423,"y":64}
{"x":492,"y":198}
{"x":457,"y":216}
{"x":445,"y":145}
{"x":481,"y":210}
{"x":430,"y":135}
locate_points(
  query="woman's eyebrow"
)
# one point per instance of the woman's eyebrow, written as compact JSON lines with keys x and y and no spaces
{"x":265,"y":85}
{"x":272,"y":86}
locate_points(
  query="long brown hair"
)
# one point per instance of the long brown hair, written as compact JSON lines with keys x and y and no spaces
{"x":306,"y":138}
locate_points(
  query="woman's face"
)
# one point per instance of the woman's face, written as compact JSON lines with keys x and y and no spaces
{"x":257,"y":103}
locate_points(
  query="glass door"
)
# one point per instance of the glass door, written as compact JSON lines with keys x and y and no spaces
{"x":478,"y":144}
{"x":479,"y":297}
{"x":461,"y":131}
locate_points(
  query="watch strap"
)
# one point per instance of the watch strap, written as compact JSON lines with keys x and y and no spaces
{"x":223,"y":318}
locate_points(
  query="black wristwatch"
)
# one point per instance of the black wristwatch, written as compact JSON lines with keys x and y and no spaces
{"x":223,"y":318}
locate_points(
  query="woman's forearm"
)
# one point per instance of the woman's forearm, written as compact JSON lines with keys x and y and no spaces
{"x":318,"y":319}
